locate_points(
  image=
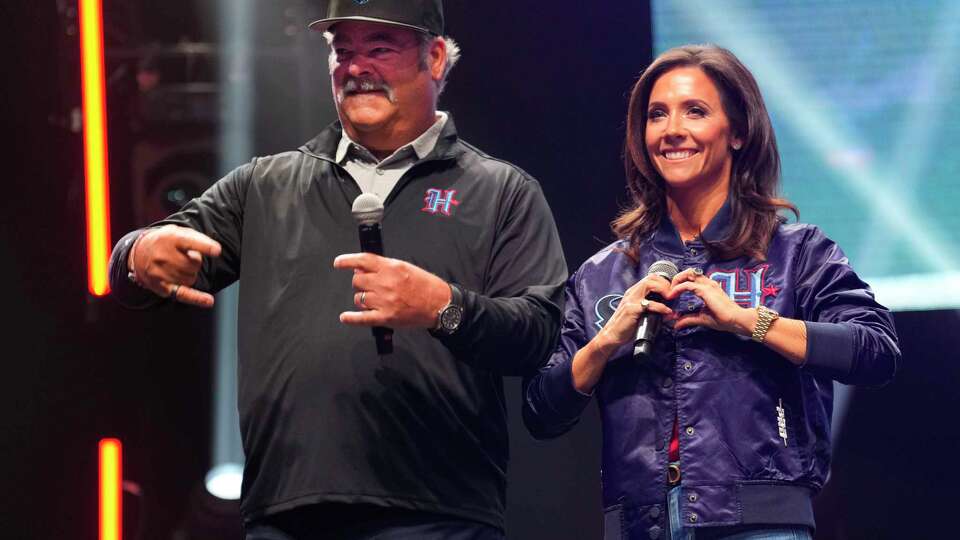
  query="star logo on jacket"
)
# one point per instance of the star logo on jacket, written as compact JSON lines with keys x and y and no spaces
{"x":748,"y":287}
{"x":440,"y":201}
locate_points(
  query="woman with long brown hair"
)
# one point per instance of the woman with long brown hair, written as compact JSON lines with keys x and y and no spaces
{"x":718,"y":427}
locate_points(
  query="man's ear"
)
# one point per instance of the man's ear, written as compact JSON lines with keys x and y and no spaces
{"x":437,"y":59}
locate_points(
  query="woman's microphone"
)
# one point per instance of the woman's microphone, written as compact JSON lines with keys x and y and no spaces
{"x":650,"y":321}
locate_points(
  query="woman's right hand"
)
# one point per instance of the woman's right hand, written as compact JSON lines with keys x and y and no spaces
{"x":621,"y":328}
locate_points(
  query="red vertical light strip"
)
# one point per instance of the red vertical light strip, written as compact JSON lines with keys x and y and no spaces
{"x":111,"y":478}
{"x":95,"y":145}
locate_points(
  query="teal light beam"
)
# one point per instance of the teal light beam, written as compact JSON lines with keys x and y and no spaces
{"x":918,"y":143}
{"x":729,"y":25}
{"x":236,"y":119}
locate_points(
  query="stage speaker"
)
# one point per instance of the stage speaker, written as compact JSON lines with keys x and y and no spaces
{"x":175,"y":153}
{"x":168,"y":173}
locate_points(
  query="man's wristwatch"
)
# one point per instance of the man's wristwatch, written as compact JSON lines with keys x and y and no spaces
{"x":765,"y":317}
{"x":450,"y":316}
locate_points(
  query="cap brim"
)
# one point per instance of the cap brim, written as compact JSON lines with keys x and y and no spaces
{"x":325,"y":24}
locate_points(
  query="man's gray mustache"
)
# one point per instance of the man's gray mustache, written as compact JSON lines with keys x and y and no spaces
{"x":353,"y":86}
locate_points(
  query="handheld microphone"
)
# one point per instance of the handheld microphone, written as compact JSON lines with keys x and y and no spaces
{"x":368,"y":213}
{"x":650,"y":322}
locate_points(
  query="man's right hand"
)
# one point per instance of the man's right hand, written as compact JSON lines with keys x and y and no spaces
{"x":166,"y":260}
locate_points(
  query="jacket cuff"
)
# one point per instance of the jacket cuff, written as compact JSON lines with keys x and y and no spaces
{"x":830,"y":348}
{"x":125,"y":291}
{"x":562,"y":396}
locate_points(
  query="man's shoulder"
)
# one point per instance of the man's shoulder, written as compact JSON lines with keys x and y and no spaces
{"x":273,"y":173}
{"x":473,"y":157}
{"x":280,"y":159}
{"x":275,"y":166}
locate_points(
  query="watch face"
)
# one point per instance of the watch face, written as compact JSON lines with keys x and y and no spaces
{"x":451,"y":317}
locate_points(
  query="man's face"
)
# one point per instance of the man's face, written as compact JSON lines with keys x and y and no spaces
{"x":379,"y":81}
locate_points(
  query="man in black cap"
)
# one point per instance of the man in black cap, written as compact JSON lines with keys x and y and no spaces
{"x":341,"y":442}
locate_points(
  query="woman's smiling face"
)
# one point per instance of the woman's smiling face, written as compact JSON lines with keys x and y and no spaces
{"x":688,"y":135}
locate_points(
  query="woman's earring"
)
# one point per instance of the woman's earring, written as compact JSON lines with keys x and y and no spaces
{"x":736,"y":145}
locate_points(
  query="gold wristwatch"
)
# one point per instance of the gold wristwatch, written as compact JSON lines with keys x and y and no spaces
{"x":765,"y":318}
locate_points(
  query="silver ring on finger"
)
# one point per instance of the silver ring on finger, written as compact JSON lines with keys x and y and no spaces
{"x":698,"y":271}
{"x":363,"y":295}
{"x":174,"y":291}
{"x":644,"y":303}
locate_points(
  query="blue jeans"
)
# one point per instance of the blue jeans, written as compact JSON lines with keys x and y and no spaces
{"x":678,"y":532}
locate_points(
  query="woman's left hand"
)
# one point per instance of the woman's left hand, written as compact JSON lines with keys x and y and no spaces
{"x":719,"y":312}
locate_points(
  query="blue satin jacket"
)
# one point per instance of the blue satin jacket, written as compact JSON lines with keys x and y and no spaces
{"x":754,"y":428}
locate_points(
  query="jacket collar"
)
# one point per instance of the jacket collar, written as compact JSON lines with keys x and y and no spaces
{"x":324,"y":145}
{"x":667,"y":239}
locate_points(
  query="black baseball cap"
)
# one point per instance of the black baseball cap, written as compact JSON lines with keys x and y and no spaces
{"x":420,"y":15}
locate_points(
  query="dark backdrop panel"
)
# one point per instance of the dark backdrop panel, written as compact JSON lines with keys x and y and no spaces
{"x":544,"y":86}
{"x":895,"y":469}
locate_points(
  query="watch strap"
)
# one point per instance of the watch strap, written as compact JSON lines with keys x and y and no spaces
{"x":456,"y":302}
{"x":765,"y":318}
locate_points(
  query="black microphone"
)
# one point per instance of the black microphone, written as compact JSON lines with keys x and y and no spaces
{"x":368,"y":212}
{"x":650,"y":321}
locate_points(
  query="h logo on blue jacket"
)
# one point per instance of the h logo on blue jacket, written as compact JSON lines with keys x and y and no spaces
{"x":749,"y":294}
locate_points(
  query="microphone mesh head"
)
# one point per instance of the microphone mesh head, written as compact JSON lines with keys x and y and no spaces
{"x":665,"y":268}
{"x":367,"y":209}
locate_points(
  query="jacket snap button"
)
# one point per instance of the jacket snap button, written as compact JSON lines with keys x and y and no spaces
{"x":693,"y":518}
{"x":692,"y":497}
{"x":687,"y":366}
{"x":668,"y":382}
{"x":654,"y":512}
{"x":654,"y":532}
{"x":379,"y":172}
{"x":690,"y":430}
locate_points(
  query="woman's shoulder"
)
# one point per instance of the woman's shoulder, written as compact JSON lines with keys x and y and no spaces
{"x":606,"y":274}
{"x":803,"y":240}
{"x":799,"y":231}
{"x":612,"y":254}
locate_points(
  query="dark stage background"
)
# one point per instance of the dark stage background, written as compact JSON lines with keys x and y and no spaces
{"x":542,"y":85}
